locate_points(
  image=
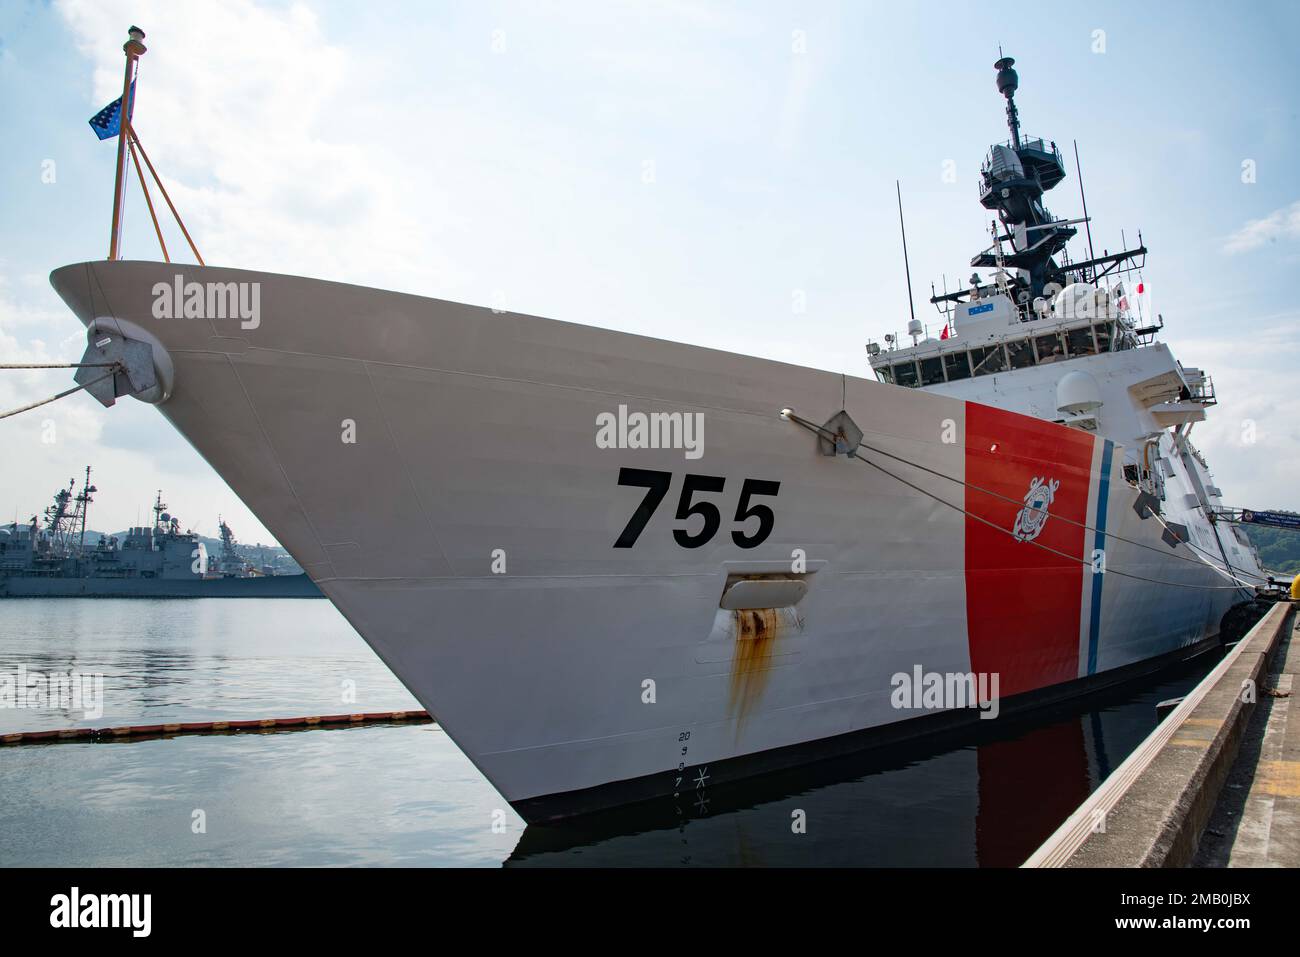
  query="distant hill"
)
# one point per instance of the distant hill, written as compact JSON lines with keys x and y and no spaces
{"x":1279,"y":548}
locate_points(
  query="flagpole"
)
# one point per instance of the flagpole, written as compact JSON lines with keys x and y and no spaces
{"x":133,"y":49}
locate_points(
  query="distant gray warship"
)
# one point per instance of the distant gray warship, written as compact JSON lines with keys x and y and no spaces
{"x":52,"y":560}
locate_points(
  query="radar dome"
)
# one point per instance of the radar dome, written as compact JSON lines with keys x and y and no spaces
{"x":1078,"y":392}
{"x":1081,"y":300}
{"x":1008,"y":81}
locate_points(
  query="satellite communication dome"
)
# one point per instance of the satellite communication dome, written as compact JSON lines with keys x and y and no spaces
{"x":1078,"y":392}
{"x":1081,"y":300}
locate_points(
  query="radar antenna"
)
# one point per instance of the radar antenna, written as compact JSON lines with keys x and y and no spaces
{"x":1008,"y":83}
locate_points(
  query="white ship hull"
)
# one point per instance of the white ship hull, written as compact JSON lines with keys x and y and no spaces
{"x":475,"y":444}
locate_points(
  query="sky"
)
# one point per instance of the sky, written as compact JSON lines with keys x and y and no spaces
{"x":714,"y":173}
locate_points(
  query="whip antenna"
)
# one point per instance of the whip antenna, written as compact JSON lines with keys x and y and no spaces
{"x":906,"y":266}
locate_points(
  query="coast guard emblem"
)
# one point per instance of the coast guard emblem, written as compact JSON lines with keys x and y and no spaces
{"x":1032,"y":518}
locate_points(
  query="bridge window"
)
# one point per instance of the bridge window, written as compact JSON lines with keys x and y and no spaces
{"x":885,"y":374}
{"x":1051,"y":348}
{"x":931,"y":371}
{"x":905,"y":374}
{"x":1103,"y":336}
{"x":1020,"y":353}
{"x":1080,"y":342}
{"x":988,"y":360}
{"x":957,"y":365}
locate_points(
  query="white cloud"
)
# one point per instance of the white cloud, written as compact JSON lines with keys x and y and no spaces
{"x":1251,"y":438}
{"x":20,"y":343}
{"x":250,"y":118}
{"x":1282,"y":223}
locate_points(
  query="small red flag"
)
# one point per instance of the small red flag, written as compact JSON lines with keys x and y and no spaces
{"x":944,"y":334}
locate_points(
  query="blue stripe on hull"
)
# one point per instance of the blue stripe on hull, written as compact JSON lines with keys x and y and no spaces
{"x":1103,"y":495}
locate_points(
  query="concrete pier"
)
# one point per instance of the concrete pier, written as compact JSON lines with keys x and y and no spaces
{"x":1257,"y":820}
{"x":1156,"y":808}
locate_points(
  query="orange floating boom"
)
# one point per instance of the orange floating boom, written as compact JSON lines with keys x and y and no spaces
{"x":260,"y":725}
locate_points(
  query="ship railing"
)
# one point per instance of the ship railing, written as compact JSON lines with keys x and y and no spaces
{"x":1041,"y":145}
{"x":1035,"y":143}
{"x":1202,"y":390}
{"x":1145,"y":335}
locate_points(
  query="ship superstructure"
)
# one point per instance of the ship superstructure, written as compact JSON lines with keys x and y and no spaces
{"x":231,"y":564}
{"x":1073,"y":343}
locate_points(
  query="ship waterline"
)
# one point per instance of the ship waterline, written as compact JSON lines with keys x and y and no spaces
{"x":435,"y":469}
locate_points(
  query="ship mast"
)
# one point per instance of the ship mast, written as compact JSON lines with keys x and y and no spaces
{"x":1013,"y":181}
{"x":133,"y":49}
{"x":83,"y":506}
{"x":63,"y":525}
{"x":1008,"y":81}
{"x":158,"y":509}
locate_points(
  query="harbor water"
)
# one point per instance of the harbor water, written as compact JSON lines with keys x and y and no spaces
{"x":403,"y":795}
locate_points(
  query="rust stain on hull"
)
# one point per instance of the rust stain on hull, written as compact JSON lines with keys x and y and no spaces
{"x":757,"y":632}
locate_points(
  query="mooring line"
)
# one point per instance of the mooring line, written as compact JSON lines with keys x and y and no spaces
{"x":256,"y":725}
{"x":788,"y":414}
{"x":813,"y":427}
{"x":113,"y":367}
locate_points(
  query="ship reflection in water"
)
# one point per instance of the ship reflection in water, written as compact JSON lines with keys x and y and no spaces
{"x":393,"y":795}
{"x":987,"y":799}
